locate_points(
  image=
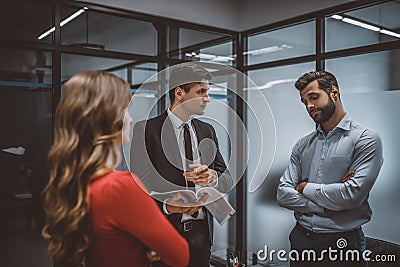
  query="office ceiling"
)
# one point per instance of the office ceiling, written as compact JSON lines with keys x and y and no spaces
{"x":17,"y":17}
{"x":230,"y":14}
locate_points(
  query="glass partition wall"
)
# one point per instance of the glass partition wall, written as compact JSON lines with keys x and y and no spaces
{"x":357,"y":41}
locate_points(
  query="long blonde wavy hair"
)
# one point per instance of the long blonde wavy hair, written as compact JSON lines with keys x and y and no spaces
{"x":87,"y":127}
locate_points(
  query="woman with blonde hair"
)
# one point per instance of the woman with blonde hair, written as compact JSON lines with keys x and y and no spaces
{"x":97,"y":216}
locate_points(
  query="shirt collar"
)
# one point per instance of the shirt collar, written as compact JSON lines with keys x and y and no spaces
{"x":343,"y":124}
{"x":176,"y":122}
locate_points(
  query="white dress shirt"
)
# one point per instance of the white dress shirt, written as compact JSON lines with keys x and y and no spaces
{"x":177,"y":124}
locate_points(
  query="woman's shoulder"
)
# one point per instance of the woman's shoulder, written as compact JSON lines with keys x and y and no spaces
{"x":127,"y":181}
{"x":123,"y":178}
{"x":116,"y":192}
{"x":118,"y":180}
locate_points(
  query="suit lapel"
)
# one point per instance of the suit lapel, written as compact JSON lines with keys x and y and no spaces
{"x":169,"y":143}
{"x":199,"y":131}
{"x":205,"y":144}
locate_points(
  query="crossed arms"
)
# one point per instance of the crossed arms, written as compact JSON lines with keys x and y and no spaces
{"x":351,"y":192}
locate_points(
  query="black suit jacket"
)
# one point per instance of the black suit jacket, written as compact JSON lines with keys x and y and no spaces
{"x":156,"y":159}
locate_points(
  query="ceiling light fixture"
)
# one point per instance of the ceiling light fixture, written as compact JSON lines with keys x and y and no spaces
{"x":366,"y":25}
{"x":62,"y":23}
{"x":337,"y":17}
{"x":394,"y":34}
{"x":361,"y":24}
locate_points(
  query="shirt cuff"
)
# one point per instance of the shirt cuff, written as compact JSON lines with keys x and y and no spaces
{"x":165,"y":207}
{"x":310,"y":191}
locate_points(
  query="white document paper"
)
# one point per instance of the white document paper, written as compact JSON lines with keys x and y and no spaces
{"x":220,"y":209}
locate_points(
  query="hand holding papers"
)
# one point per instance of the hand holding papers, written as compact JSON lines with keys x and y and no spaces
{"x":179,"y":204}
{"x":208,"y":196}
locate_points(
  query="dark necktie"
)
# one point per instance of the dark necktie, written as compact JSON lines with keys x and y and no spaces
{"x":188,"y":150}
{"x":188,"y":157}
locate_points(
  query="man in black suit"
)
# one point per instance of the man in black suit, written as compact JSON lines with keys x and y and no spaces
{"x":175,"y":151}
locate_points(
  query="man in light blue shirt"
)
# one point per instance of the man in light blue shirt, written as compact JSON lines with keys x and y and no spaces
{"x":330,"y":174}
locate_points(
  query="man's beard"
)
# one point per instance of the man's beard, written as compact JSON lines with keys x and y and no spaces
{"x":326,"y":112}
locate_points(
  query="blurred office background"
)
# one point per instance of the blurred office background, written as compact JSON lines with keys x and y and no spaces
{"x":43,"y":43}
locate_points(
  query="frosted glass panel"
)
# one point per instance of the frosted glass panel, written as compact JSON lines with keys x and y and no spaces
{"x":368,"y":83}
{"x":218,"y":117}
{"x":371,"y":72}
{"x":192,"y":37}
{"x":92,"y":29}
{"x":371,"y":25}
{"x":73,"y":64}
{"x":269,"y":224}
{"x":293,"y":41}
{"x":141,"y":72}
{"x":379,"y":111}
{"x":194,"y":45}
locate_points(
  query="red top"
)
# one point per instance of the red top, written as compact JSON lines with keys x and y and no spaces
{"x":123,"y":220}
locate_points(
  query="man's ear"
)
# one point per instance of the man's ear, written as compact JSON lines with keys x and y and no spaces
{"x":178,"y":93}
{"x":335,"y":92}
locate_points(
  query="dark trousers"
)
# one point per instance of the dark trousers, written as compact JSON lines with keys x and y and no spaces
{"x":198,"y":236}
{"x":331,"y":249}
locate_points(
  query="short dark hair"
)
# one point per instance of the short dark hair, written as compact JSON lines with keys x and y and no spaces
{"x":325,"y":81}
{"x":185,"y":75}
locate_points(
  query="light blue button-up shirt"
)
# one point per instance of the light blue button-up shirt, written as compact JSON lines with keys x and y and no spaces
{"x":327,"y":204}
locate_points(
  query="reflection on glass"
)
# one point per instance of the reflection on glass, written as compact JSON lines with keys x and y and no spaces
{"x":91,"y":29}
{"x":221,"y":54}
{"x":141,"y":72}
{"x":373,"y":72}
{"x":201,"y":46}
{"x":25,"y":68}
{"x":123,"y":73}
{"x":146,"y":89}
{"x":293,"y":41}
{"x":73,"y":64}
{"x":370,"y":25}
{"x":379,"y":111}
